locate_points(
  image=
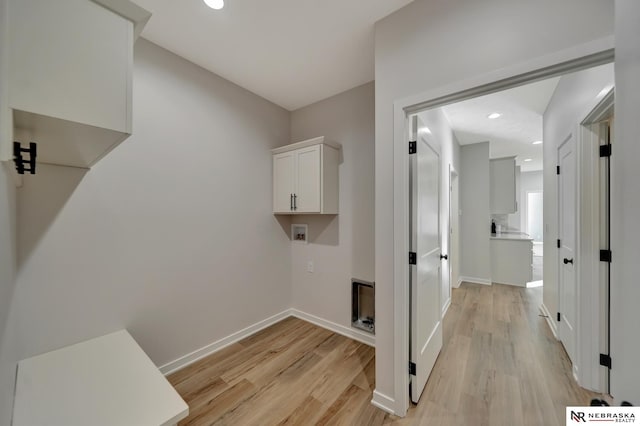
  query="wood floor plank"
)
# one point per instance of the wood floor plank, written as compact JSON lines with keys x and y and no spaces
{"x":499,"y":365}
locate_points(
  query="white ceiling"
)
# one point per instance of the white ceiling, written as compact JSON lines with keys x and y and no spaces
{"x":511,"y":134}
{"x":291,"y":52}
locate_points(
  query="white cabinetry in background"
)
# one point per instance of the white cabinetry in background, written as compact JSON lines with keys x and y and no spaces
{"x":511,"y":260}
{"x":503,"y":185}
{"x":305,"y":177}
{"x":70,"y":76}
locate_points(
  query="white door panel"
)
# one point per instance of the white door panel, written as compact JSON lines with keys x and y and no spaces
{"x":567,"y":235}
{"x":308,"y":170}
{"x":283,"y":182}
{"x":426,"y":275}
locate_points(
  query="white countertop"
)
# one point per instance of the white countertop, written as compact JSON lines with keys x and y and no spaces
{"x":513,"y":236}
{"x":106,"y":381}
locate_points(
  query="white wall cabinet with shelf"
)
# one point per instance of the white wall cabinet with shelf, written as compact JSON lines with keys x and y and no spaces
{"x":305,"y":177}
{"x":70,"y":68}
{"x":503,"y":185}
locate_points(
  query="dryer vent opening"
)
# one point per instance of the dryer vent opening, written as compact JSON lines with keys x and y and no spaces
{"x":363,"y":305}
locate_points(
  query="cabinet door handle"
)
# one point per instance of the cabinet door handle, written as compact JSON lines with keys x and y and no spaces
{"x":295,"y":201}
{"x":290,"y":201}
{"x":566,"y":261}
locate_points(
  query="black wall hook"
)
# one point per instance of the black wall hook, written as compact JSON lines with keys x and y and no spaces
{"x":25,"y":165}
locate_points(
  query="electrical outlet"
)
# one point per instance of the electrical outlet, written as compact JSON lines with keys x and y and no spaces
{"x":310,"y":266}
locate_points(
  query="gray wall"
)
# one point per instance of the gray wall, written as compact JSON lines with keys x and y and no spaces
{"x":341,"y":246}
{"x":170,"y":236}
{"x":433,"y":48}
{"x":625,"y":291}
{"x":475,"y":223}
{"x":7,"y":233}
{"x":7,"y":285}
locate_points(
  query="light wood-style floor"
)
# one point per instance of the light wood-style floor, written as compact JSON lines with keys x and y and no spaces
{"x":500,"y":365}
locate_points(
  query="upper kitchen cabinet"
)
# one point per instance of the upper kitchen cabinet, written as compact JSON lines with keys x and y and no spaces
{"x":503,"y":185}
{"x":305,"y":177}
{"x":70,"y":76}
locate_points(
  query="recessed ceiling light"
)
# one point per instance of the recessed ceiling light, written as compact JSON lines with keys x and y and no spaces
{"x":493,"y":115}
{"x":537,"y":142}
{"x":215,"y":4}
{"x":424,"y":129}
{"x":526,"y":160}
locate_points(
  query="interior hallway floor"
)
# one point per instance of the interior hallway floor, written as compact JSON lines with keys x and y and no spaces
{"x":500,"y":365}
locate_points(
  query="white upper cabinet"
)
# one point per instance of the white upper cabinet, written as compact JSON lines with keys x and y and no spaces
{"x":305,"y":178}
{"x":503,"y":185}
{"x":70,"y":76}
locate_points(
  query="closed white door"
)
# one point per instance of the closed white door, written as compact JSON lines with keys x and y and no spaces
{"x":283,"y":182}
{"x":567,"y":235}
{"x":307,"y":193}
{"x":426,"y":275}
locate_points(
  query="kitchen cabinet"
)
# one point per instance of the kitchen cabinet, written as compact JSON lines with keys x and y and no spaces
{"x":511,"y":259}
{"x":305,"y":177}
{"x":503,"y":185}
{"x":70,"y":76}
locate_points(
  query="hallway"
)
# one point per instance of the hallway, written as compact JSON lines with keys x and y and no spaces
{"x":500,"y":364}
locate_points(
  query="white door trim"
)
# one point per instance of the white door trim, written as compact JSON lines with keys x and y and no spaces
{"x":592,"y":337}
{"x":587,"y":55}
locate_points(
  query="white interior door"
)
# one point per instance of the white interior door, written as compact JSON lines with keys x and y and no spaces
{"x":426,"y":275}
{"x":567,"y":235}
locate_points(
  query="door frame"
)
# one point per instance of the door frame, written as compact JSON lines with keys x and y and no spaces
{"x":592,"y":297}
{"x":526,"y":207}
{"x":571,"y":60}
{"x":454,"y":218}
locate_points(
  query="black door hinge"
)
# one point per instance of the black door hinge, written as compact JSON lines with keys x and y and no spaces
{"x":413,"y":147}
{"x":559,"y":318}
{"x":557,"y":170}
{"x":605,"y":256}
{"x":412,"y":368}
{"x":558,"y":243}
{"x":605,"y":360}
{"x":605,"y":150}
{"x":413,"y":258}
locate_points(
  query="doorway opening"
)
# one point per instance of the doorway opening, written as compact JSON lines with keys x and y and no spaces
{"x":534,"y":225}
{"x":520,"y":210}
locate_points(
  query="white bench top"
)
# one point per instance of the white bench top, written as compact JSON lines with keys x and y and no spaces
{"x":108,"y":380}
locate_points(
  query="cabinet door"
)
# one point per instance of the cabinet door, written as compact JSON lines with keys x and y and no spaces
{"x":308,"y":180}
{"x":72,"y":60}
{"x":283,"y":182}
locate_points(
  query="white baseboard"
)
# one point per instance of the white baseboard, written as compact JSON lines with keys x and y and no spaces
{"x":383,"y":402}
{"x":209,"y":349}
{"x":349,"y":332}
{"x":446,"y":307}
{"x":457,"y":285}
{"x":475,"y":280}
{"x":550,"y":320}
